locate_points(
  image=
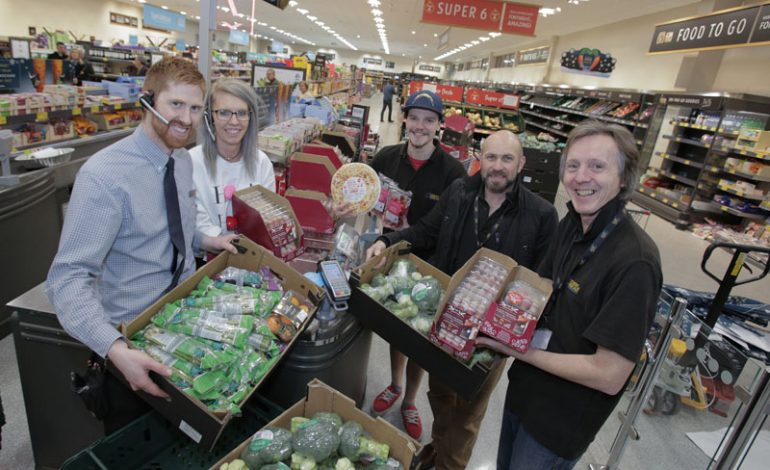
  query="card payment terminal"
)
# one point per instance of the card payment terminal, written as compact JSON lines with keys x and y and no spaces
{"x":336,"y":283}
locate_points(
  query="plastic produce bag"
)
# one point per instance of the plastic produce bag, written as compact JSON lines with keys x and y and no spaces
{"x":270,"y":445}
{"x":316,"y":439}
{"x":186,"y":348}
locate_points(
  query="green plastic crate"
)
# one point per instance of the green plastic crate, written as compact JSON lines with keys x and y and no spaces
{"x":152,"y":443}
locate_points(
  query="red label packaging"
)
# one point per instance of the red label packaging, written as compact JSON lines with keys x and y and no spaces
{"x":513,"y":319}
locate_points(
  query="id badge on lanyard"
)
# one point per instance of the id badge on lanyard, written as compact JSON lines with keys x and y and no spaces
{"x":542,"y":336}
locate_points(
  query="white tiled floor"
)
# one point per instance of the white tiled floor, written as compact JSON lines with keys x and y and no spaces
{"x":663,"y":443}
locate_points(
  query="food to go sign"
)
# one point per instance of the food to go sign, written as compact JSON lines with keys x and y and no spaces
{"x":488,"y":15}
{"x":719,"y":30}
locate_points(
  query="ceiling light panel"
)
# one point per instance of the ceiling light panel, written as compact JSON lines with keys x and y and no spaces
{"x":468,"y":45}
{"x":320,"y":24}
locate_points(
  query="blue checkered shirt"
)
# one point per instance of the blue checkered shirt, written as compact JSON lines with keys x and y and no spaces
{"x":115,"y":251}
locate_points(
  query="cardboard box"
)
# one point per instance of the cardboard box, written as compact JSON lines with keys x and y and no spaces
{"x":184,"y":412}
{"x":311,"y":172}
{"x":332,"y":153}
{"x":250,"y":222}
{"x":511,"y":325}
{"x":321,"y":397}
{"x":311,"y":210}
{"x":464,"y":380}
{"x":465,"y":325}
{"x":487,"y":324}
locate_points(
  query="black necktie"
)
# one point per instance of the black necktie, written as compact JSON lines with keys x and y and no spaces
{"x":174,"y":223}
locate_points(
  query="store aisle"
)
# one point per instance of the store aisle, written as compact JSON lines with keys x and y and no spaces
{"x":680,"y":252}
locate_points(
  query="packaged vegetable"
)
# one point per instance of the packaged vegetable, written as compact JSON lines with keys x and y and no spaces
{"x":330,"y":417}
{"x":186,"y":348}
{"x":316,"y":439}
{"x":270,"y":445}
{"x":355,"y":445}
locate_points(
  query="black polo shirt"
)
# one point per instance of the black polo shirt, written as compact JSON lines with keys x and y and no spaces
{"x":609,"y":301}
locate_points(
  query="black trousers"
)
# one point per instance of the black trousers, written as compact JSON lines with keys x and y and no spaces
{"x":389,"y":105}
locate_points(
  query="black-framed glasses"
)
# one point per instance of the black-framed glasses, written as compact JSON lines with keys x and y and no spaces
{"x":226,"y":114}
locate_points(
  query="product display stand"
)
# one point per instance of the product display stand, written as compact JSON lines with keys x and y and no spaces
{"x":699,"y":165}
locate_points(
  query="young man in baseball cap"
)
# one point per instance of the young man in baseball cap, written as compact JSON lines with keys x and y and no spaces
{"x":418,"y":165}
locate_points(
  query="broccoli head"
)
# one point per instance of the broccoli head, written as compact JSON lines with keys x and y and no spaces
{"x":270,"y":445}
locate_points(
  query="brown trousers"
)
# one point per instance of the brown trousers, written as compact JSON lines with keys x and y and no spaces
{"x":456,"y":422}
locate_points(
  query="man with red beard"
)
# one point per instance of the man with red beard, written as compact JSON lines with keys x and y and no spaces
{"x":491,"y":209}
{"x":129,"y":234}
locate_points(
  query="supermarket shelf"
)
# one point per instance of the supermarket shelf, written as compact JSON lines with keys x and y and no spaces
{"x":490,"y":108}
{"x":683,"y":140}
{"x":678,"y":178}
{"x":749,"y":176}
{"x":651,"y":193}
{"x":589,"y":115}
{"x":550,"y":118}
{"x":745,"y":215}
{"x":107,"y":59}
{"x":740,"y":194}
{"x":546,"y":128}
{"x":693,"y":126}
{"x":80,"y":140}
{"x":44,"y":116}
{"x":743,"y":152}
{"x":683,"y":161}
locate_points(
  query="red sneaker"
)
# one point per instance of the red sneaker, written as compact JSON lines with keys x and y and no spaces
{"x":385,"y":400}
{"x":412,"y":422}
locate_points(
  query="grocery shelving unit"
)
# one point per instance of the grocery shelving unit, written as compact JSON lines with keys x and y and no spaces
{"x":507,"y":118}
{"x":557,"y":110}
{"x":232,"y":71}
{"x":110,"y":63}
{"x":703,"y":162}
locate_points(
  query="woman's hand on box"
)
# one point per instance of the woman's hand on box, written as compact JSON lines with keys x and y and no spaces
{"x":342,"y":211}
{"x":135,"y":366}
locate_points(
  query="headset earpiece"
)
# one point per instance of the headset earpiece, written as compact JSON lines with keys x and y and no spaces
{"x":147,"y":100}
{"x":209,"y":123}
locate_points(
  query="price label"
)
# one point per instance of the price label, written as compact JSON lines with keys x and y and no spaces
{"x":3,"y":120}
{"x":137,"y":104}
{"x":76,"y":112}
{"x":724,"y":208}
{"x":94,"y":109}
{"x":654,"y":195}
{"x":732,"y":172}
{"x":673,"y":177}
{"x":665,"y":200}
{"x":41,"y":116}
{"x":675,"y":205}
{"x":738,"y":193}
{"x":687,"y":162}
{"x":118,"y":106}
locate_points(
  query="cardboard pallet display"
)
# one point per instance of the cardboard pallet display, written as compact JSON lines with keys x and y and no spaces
{"x":321,"y":397}
{"x":186,"y":413}
{"x":311,"y":172}
{"x":310,"y":210}
{"x":342,"y":141}
{"x":464,"y":380}
{"x":326,"y":150}
{"x":250,"y":222}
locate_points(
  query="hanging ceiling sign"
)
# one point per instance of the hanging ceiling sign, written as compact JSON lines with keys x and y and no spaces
{"x":158,"y":18}
{"x":520,"y":19}
{"x":476,"y":14}
{"x":537,"y":55}
{"x":718,"y":30}
{"x":443,"y":40}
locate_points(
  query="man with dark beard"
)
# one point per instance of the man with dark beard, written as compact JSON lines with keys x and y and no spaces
{"x":129,"y":234}
{"x":491,"y":209}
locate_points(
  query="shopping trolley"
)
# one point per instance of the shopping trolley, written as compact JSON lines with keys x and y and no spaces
{"x":641,"y":217}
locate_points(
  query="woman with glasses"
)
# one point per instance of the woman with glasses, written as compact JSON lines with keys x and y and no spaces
{"x":228,"y":159}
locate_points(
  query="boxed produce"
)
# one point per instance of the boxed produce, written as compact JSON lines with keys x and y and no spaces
{"x":389,"y":303}
{"x":491,"y":294}
{"x":324,"y":431}
{"x":513,"y":319}
{"x":268,"y":219}
{"x":221,"y":332}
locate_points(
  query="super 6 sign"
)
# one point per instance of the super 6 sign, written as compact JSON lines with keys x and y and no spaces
{"x":478,"y":14}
